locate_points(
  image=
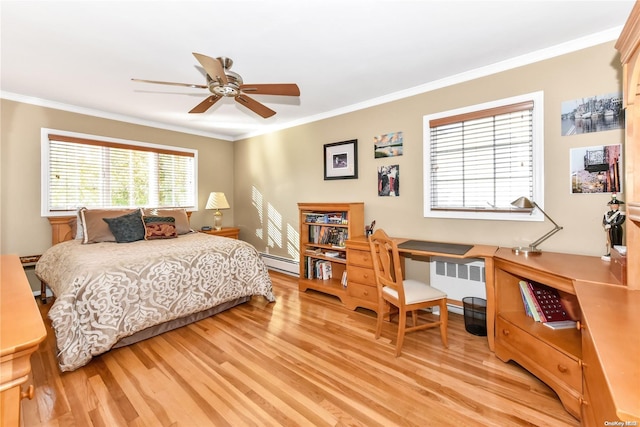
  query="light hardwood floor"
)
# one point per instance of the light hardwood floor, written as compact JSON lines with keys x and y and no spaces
{"x":301,"y":361}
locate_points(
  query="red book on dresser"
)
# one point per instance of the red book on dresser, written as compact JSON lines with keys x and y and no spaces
{"x":549,"y":303}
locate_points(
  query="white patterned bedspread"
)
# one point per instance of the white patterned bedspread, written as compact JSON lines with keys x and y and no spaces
{"x":107,"y":291}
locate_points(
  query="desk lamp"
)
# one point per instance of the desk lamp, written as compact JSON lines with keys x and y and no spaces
{"x":217,"y":201}
{"x":524,"y":203}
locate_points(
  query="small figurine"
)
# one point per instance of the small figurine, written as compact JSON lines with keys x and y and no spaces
{"x":612,"y":223}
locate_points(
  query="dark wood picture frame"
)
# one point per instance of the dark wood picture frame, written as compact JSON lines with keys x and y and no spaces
{"x":341,"y":160}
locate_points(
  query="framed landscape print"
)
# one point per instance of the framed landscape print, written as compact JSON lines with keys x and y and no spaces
{"x":388,"y":145}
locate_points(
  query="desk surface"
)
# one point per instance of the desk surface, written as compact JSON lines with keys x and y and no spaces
{"x":476,"y":251}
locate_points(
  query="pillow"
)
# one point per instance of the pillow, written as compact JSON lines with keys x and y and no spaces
{"x":159,"y":227}
{"x":180,"y":215}
{"x":94,"y":229}
{"x":76,"y":226}
{"x":127,"y":228}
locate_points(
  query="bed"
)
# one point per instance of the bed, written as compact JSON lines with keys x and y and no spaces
{"x":110,"y":293}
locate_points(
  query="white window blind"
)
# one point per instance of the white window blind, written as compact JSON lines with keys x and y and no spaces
{"x":95,"y":173}
{"x":480,"y":160}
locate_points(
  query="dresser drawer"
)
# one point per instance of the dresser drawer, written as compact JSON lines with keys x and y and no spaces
{"x":361,"y":275}
{"x":364,"y":292}
{"x":361,"y":258}
{"x":548,"y":361}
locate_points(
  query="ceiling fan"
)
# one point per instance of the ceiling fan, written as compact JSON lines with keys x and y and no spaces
{"x":222,"y":82}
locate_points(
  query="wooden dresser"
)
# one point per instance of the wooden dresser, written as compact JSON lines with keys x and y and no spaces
{"x":629,"y":47}
{"x":21,"y":332}
{"x":610,"y":361}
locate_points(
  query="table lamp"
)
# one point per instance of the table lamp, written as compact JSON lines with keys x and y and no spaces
{"x":217,"y":201}
{"x":524,"y":203}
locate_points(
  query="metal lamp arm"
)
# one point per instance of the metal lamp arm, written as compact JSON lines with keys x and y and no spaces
{"x":550,"y":233}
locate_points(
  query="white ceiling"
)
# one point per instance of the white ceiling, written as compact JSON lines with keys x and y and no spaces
{"x":344,"y":55}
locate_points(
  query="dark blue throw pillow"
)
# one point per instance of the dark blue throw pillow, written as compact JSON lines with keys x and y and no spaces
{"x":127,"y":228}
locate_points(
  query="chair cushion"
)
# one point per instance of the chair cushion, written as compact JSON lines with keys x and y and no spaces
{"x":415,"y":291}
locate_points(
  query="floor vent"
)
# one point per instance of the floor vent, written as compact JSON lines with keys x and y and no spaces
{"x":281,"y":264}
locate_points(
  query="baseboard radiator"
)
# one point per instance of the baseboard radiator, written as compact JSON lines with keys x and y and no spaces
{"x":459,"y":278}
{"x":281,"y":264}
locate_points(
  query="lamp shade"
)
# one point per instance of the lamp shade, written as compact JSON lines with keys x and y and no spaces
{"x":523,"y":203}
{"x":217,"y":201}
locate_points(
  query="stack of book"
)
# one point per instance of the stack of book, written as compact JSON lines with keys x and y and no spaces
{"x":333,"y":236}
{"x":543,"y":304}
{"x":327,"y":218}
{"x":318,"y":269}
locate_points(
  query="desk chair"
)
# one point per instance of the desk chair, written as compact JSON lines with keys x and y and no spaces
{"x":406,"y":295}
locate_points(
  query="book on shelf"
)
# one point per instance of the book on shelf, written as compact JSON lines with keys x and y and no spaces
{"x":324,"y":271}
{"x":327,"y":217}
{"x":333,"y":236}
{"x":527,"y":299}
{"x":344,"y":279}
{"x":543,"y":303}
{"x":561,"y":324}
{"x":318,"y":269}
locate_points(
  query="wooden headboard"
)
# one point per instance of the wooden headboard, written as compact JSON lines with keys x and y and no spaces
{"x":61,"y":228}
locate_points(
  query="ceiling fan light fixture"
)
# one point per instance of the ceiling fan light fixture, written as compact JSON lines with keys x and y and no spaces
{"x":223,"y":83}
{"x":231,"y":89}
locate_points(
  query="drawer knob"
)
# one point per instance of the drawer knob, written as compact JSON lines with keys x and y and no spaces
{"x":366,"y":276}
{"x":562,"y":368}
{"x":29,"y":393}
{"x":505,"y":332}
{"x":366,"y":293}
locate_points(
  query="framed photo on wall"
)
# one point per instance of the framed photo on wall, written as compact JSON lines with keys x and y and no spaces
{"x":596,"y":169}
{"x":341,"y":160}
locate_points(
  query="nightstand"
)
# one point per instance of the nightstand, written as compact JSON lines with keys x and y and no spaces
{"x":231,"y":232}
{"x":30,"y":262}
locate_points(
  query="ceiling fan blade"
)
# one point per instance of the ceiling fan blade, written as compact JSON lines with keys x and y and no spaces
{"x":206,"y":104}
{"x":213,"y":67}
{"x":170,"y":83}
{"x":285,"y":89}
{"x":255,"y":106}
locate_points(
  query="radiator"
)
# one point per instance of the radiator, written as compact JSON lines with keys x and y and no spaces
{"x":281,"y":264}
{"x":459,"y":278}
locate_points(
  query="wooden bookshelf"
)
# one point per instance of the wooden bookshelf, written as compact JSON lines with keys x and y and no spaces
{"x":324,"y":229}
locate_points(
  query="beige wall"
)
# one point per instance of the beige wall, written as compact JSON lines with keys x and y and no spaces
{"x":265,"y":177}
{"x":22,"y":230}
{"x":276,"y":171}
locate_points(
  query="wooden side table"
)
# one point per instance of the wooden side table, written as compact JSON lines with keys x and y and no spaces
{"x":30,"y":262}
{"x":230,"y":232}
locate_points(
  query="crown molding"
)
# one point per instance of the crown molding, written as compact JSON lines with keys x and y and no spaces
{"x":519,"y":61}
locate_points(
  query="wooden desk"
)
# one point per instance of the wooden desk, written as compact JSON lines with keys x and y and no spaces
{"x":21,"y":332}
{"x":361,"y":280}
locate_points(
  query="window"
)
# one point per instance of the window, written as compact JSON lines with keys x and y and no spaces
{"x":95,"y":172}
{"x":477,"y":160}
